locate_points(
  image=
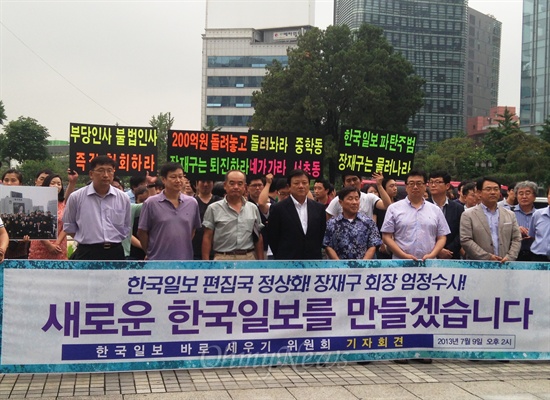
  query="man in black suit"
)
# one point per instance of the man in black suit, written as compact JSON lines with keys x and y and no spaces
{"x":297,"y":224}
{"x":439,"y":184}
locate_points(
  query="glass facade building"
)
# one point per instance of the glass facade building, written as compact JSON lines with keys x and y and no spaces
{"x":535,"y":65}
{"x":431,"y":34}
{"x":234,"y":62}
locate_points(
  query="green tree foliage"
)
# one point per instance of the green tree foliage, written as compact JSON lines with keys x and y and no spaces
{"x":545,"y":131}
{"x":458,"y":156}
{"x":163,"y":122}
{"x":24,"y":139}
{"x":3,"y":116}
{"x":495,"y":140}
{"x":337,"y":77}
{"x":30,"y":168}
{"x":529,"y":155}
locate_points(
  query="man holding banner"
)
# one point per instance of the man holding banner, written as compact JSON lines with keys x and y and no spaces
{"x":414,"y":228}
{"x":168,"y":220}
{"x":232,"y":226}
{"x":488,"y":231}
{"x":297,"y":224}
{"x":351,"y":235}
{"x":98,"y":216}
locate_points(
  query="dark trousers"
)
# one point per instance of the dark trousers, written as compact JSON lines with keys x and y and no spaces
{"x":539,"y":257}
{"x":99,"y":252}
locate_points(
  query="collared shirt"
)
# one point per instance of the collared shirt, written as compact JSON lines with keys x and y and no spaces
{"x":492,"y":220}
{"x":170,"y":229}
{"x":301,"y":209}
{"x":232,"y":230}
{"x":540,"y":230}
{"x":131,"y":196}
{"x":524,"y":220}
{"x":415,"y":230}
{"x":96,"y":219}
{"x":367,"y":201}
{"x":508,"y":206}
{"x":444,"y":206}
{"x":351,"y":239}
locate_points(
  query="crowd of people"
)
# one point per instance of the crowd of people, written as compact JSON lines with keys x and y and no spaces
{"x":260,"y":217}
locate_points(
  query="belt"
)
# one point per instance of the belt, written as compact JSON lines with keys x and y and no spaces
{"x":104,"y":246}
{"x":235,"y":252}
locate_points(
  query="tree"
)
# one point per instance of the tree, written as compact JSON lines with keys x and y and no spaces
{"x":545,"y":131}
{"x":24,"y":139}
{"x":30,"y":168}
{"x":163,"y":122}
{"x":337,"y":77}
{"x":3,"y":116}
{"x":458,"y":156}
{"x":494,"y":140}
{"x":529,"y":155}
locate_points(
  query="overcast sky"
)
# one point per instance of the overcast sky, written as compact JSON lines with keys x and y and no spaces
{"x":103,"y":62}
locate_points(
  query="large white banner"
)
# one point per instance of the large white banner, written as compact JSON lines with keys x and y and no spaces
{"x":266,"y":315}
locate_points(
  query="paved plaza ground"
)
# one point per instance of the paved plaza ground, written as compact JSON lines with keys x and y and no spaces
{"x":441,"y":380}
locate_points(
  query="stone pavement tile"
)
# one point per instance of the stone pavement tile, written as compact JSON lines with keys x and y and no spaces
{"x":490,"y":388}
{"x":322,"y":393}
{"x":381,"y":392}
{"x":108,"y":397}
{"x":210,"y":395}
{"x":438,"y":391}
{"x":48,"y":398}
{"x":533,"y":386}
{"x":261,"y":394}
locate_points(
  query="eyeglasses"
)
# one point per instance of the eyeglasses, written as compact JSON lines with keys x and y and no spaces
{"x":412,"y":184}
{"x":103,"y":171}
{"x":256,"y":185}
{"x":491,"y":189}
{"x":435,"y":182}
{"x":526,"y":194}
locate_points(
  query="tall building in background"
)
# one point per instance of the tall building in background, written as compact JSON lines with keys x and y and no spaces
{"x":535,"y":65}
{"x":233,"y":67}
{"x":430,"y":34}
{"x":482,"y":64}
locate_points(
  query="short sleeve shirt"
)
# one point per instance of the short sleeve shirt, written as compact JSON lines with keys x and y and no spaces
{"x":170,"y":229}
{"x":415,"y":230}
{"x":232,"y":230}
{"x":351,"y":239}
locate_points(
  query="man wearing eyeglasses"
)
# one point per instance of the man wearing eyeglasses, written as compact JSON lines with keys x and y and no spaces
{"x":97,"y":216}
{"x":439,"y":183}
{"x":414,"y":228}
{"x":488,"y":231}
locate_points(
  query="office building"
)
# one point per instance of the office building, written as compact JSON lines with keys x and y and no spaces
{"x":535,"y":65}
{"x":430,"y":34}
{"x":234,"y":62}
{"x":482,"y":64}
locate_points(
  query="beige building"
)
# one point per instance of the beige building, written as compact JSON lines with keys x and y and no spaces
{"x":233,"y":67}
